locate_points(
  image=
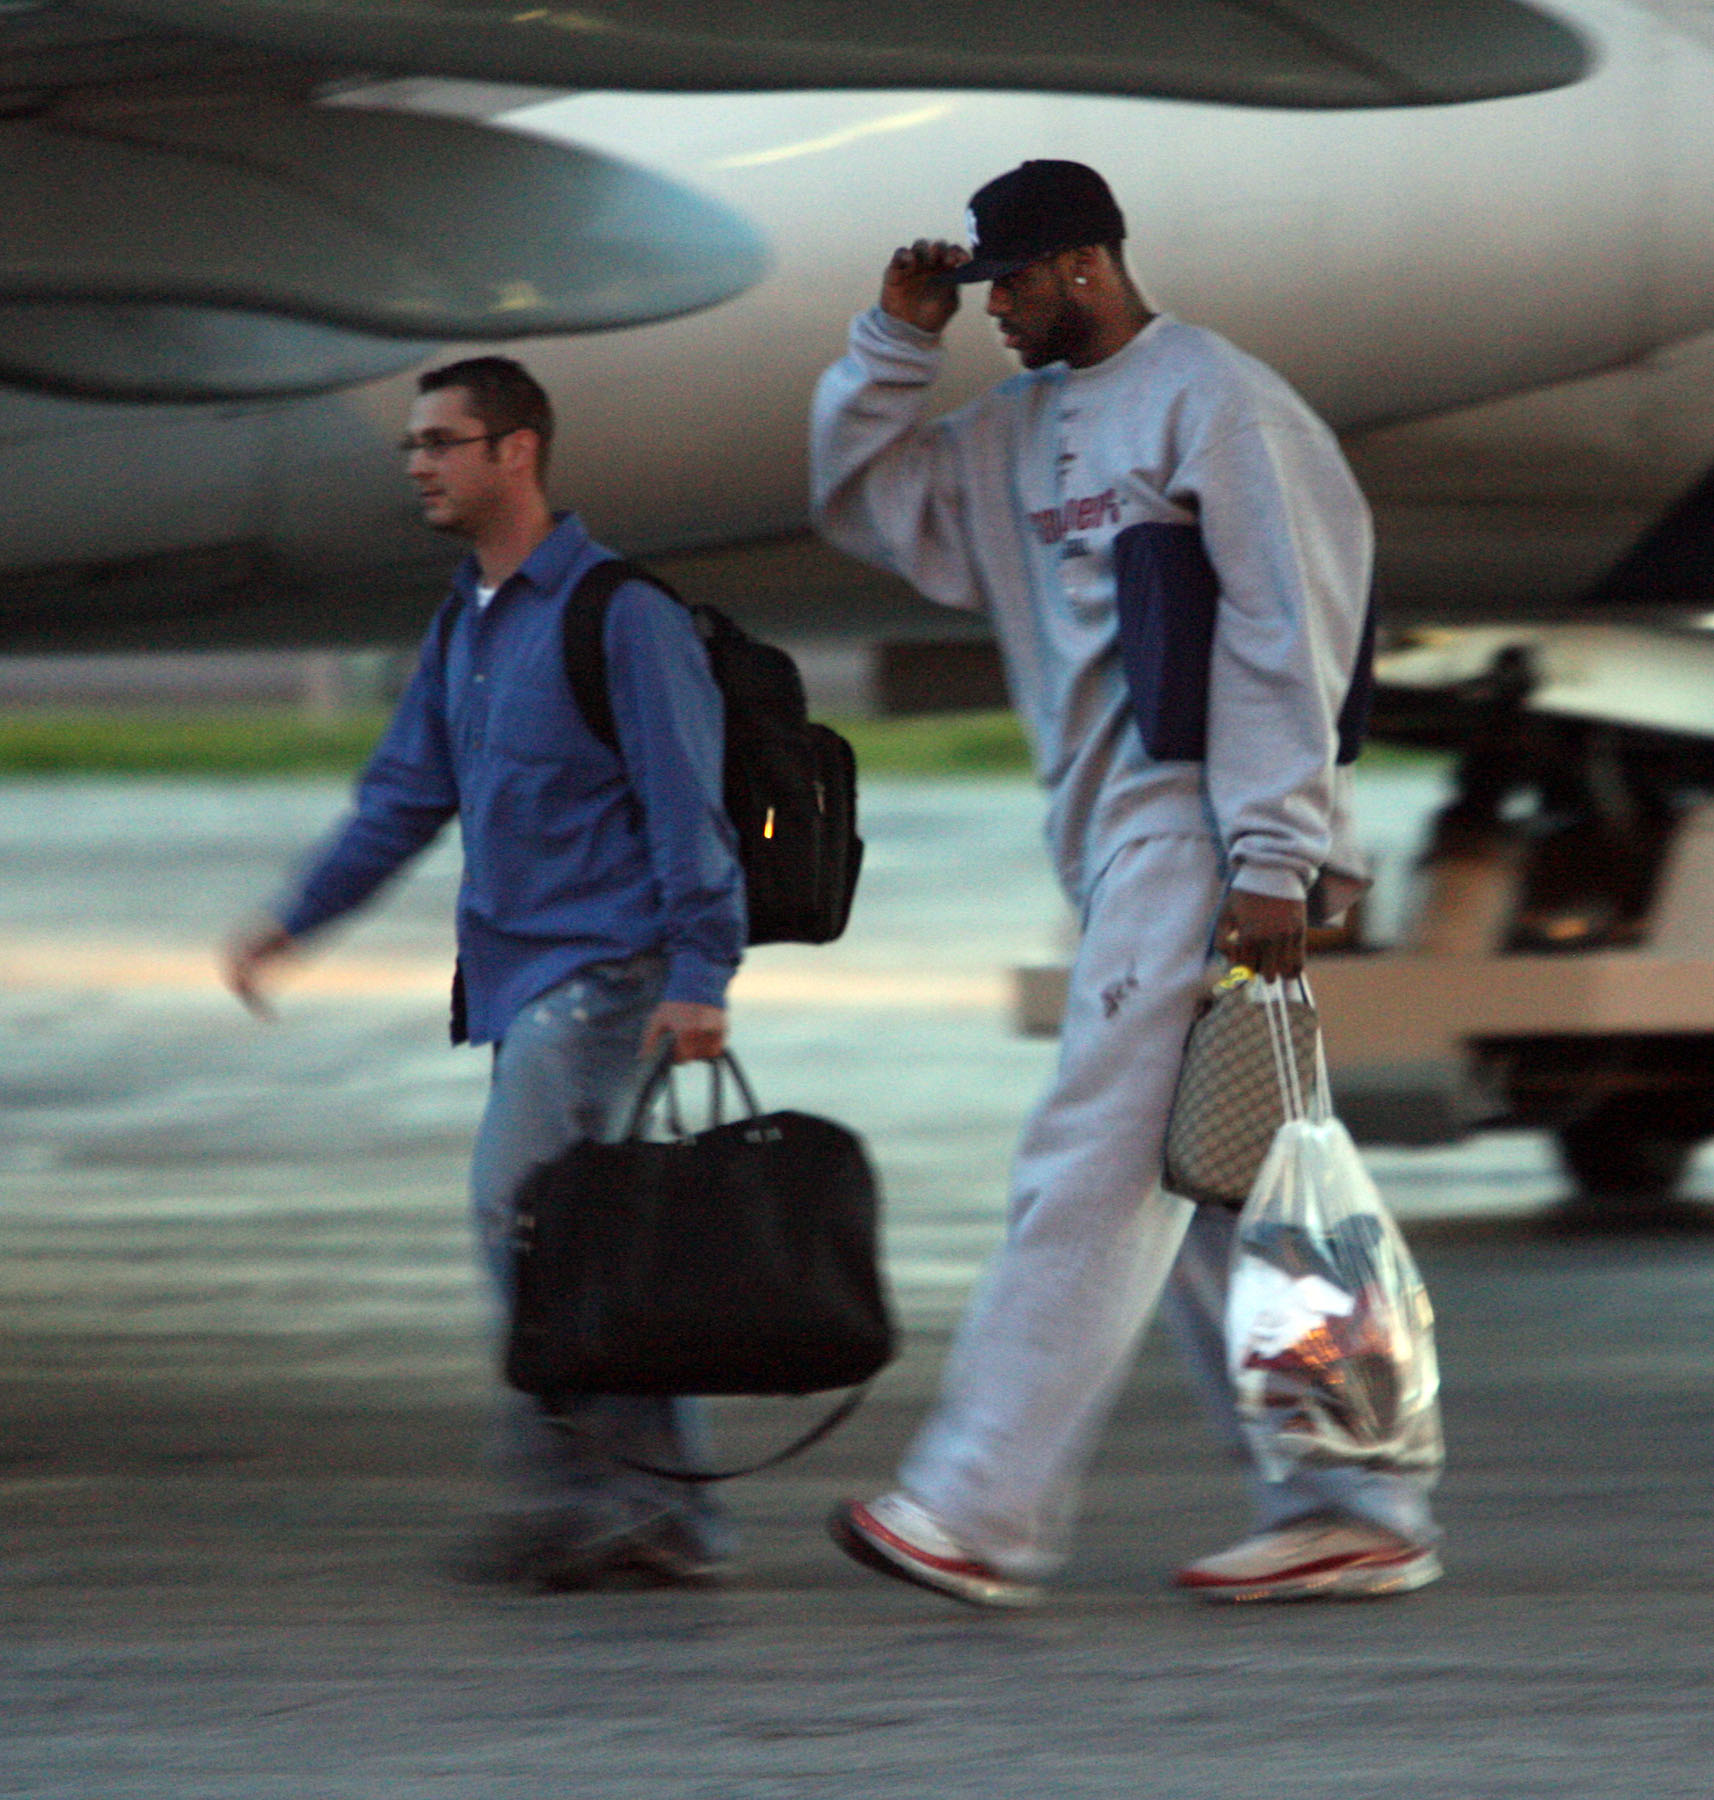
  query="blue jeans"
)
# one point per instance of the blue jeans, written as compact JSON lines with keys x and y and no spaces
{"x":567,"y":1069}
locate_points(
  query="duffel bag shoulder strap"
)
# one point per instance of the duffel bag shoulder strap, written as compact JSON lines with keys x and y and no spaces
{"x":822,"y":1428}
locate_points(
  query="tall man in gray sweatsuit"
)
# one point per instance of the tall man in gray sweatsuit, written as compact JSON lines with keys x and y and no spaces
{"x":1012,"y":506}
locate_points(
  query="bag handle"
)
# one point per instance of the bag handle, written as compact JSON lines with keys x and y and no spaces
{"x":1278,"y":1015}
{"x":1323,"y":1083}
{"x":659,"y":1080}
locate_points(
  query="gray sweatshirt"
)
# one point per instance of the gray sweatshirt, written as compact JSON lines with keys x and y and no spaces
{"x":1011,"y":505}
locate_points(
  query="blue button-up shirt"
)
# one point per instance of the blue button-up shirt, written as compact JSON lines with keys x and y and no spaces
{"x":573,"y":853}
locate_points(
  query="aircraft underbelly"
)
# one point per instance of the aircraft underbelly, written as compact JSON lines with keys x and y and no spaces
{"x":1521,"y":505}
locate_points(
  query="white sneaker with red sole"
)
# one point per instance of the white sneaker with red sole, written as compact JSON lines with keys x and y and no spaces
{"x":1319,"y":1560}
{"x":895,"y":1536}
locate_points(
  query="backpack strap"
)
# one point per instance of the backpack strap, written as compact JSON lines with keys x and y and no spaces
{"x":586,"y":640}
{"x":1360,"y":696}
{"x":458,"y":1021}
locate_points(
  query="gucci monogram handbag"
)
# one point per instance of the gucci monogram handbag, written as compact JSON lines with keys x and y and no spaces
{"x":1229,"y":1103}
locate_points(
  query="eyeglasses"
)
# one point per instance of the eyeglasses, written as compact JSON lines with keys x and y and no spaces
{"x":434,"y":446}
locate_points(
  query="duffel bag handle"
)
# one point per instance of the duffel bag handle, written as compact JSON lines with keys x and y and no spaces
{"x":659,"y":1080}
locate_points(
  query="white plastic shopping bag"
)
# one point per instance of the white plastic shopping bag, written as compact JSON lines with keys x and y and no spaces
{"x":1329,"y":1331}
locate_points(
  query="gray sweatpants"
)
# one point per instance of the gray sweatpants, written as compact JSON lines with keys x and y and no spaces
{"x":1051,"y":1334}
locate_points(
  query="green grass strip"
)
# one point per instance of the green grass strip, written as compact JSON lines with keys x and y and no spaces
{"x":971,"y":743}
{"x":256,"y":740}
{"x":262,"y":740}
{"x":281,"y":740}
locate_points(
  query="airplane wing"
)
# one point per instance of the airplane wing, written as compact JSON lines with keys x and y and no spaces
{"x":1332,"y":53}
{"x":188,"y":220}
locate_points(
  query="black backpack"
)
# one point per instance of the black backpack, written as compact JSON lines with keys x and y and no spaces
{"x":790,"y":784}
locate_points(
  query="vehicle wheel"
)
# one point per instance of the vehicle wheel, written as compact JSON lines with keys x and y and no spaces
{"x":1626,"y":1162}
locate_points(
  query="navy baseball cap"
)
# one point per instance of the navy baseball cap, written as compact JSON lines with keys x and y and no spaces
{"x":1037,"y":210}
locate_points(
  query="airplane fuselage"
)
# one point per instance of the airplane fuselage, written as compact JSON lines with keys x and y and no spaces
{"x":1507,"y":309}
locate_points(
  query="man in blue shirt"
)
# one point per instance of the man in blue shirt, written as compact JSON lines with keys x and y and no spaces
{"x":601,"y":913}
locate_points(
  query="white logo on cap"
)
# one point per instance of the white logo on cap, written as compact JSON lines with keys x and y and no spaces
{"x":970,"y":224}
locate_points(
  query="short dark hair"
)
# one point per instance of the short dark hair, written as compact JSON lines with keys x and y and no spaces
{"x":504,"y":395}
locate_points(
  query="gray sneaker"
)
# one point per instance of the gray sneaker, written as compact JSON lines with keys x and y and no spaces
{"x":671,"y":1552}
{"x":553,"y":1549}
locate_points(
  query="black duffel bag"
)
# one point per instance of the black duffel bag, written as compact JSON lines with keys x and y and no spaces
{"x":741,"y":1259}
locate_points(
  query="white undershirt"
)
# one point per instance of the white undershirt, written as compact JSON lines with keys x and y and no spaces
{"x":484,"y":595}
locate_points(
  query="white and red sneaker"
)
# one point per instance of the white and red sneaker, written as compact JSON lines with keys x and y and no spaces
{"x":1319,"y":1560}
{"x":899,"y":1538}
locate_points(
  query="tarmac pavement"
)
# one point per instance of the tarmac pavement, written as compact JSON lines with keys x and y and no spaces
{"x":245,"y":1370}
